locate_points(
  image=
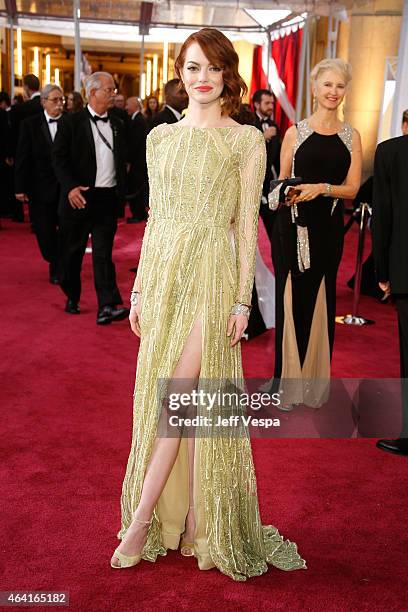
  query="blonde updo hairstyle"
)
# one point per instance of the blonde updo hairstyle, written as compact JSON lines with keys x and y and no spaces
{"x":336,"y":65}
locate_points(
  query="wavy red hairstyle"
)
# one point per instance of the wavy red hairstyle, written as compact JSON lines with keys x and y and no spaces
{"x":220,"y":52}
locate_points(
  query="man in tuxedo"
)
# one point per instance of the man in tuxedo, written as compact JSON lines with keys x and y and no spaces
{"x":32,"y":105}
{"x":264,"y":105}
{"x":137,"y":186}
{"x":8,"y":204}
{"x":89,"y":156}
{"x":35,"y":180}
{"x":390,"y":248}
{"x":176,"y":100}
{"x":19,"y":112}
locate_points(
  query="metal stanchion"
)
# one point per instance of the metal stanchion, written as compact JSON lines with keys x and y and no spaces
{"x":355,"y":319}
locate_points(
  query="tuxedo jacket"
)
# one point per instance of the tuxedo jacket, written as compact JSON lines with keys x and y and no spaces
{"x":137,"y":153}
{"x":121,"y":113}
{"x":5,"y":135}
{"x":165,"y":116}
{"x":19,"y":112}
{"x":273,"y":146}
{"x":33,"y":170}
{"x":390,"y":213}
{"x":74,"y":156}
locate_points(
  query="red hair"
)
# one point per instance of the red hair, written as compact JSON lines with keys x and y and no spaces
{"x":219,"y":50}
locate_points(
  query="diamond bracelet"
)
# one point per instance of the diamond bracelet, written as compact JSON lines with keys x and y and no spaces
{"x":239,"y":308}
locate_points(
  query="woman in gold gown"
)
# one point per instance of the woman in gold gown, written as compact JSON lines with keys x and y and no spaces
{"x":190,"y":309}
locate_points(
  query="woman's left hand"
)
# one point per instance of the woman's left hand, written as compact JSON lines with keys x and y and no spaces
{"x":308,"y":192}
{"x":237,"y":324}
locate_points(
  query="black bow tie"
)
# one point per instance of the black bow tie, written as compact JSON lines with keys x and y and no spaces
{"x":97,"y":118}
{"x":54,"y":120}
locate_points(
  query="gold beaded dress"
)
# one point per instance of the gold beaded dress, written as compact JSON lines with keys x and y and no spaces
{"x":194,"y":263}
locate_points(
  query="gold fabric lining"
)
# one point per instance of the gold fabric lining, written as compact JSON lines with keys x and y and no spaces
{"x":307,"y":384}
{"x":173,"y":504}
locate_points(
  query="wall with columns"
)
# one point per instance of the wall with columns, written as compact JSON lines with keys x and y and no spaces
{"x":373,"y":35}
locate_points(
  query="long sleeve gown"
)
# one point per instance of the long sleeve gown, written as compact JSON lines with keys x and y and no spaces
{"x":201,"y":179}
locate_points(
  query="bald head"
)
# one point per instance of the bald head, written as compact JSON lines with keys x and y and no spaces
{"x":133,"y":105}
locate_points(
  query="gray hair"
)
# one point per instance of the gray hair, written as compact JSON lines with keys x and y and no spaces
{"x":94,"y":81}
{"x":336,"y":65}
{"x":47,"y":89}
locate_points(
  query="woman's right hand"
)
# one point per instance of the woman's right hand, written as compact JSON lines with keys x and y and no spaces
{"x":134,"y":318}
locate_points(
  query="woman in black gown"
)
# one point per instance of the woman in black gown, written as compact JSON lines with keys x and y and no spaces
{"x":307,"y":241}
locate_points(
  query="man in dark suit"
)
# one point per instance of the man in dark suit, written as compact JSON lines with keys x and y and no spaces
{"x":19,"y":112}
{"x":35,"y":180}
{"x":137,"y":186}
{"x":89,"y":156}
{"x":176,"y":100}
{"x":7,"y":201}
{"x":390,"y":249}
{"x":264,"y":106}
{"x":32,"y":105}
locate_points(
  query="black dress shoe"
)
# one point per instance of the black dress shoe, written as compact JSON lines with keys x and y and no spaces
{"x":398,"y":447}
{"x":104,"y":316}
{"x":72,"y":307}
{"x":118,"y":314}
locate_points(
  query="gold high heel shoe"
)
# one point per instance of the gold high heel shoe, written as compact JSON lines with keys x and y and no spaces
{"x":186,"y":548}
{"x":125,"y":560}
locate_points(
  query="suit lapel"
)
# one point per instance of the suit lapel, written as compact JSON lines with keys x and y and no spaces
{"x":112,"y":120}
{"x":46,"y":130}
{"x":172,"y":117}
{"x":88,"y":131}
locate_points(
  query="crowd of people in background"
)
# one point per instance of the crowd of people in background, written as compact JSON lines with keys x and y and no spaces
{"x":23,"y":150}
{"x":28,"y":127}
{"x":78,"y":161}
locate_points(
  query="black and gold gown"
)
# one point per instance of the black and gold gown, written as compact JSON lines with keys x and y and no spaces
{"x":307,"y":245}
{"x":192,"y":265}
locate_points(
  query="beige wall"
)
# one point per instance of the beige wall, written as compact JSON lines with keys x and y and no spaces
{"x":373,"y":36}
{"x":245,"y":52}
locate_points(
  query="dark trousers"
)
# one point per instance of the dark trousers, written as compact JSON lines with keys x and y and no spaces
{"x":98,"y":218}
{"x":44,"y":217}
{"x":401,"y":302}
{"x":138,"y":198}
{"x":9,"y":206}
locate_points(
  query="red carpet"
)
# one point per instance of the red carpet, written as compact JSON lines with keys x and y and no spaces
{"x":67,"y":399}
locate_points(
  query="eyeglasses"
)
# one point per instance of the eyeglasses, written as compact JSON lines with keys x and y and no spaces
{"x":55,"y":100}
{"x":109,"y":90}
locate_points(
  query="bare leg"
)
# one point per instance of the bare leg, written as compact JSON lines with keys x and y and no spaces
{"x":164,"y":454}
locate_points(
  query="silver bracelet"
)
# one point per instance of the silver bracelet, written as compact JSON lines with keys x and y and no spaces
{"x":328,"y":190}
{"x":239,"y":308}
{"x":134,"y":298}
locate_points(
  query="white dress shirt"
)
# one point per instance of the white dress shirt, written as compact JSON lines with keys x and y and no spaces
{"x":105,"y":162}
{"x":134,"y":114}
{"x":51,"y":126}
{"x":175,"y":112}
